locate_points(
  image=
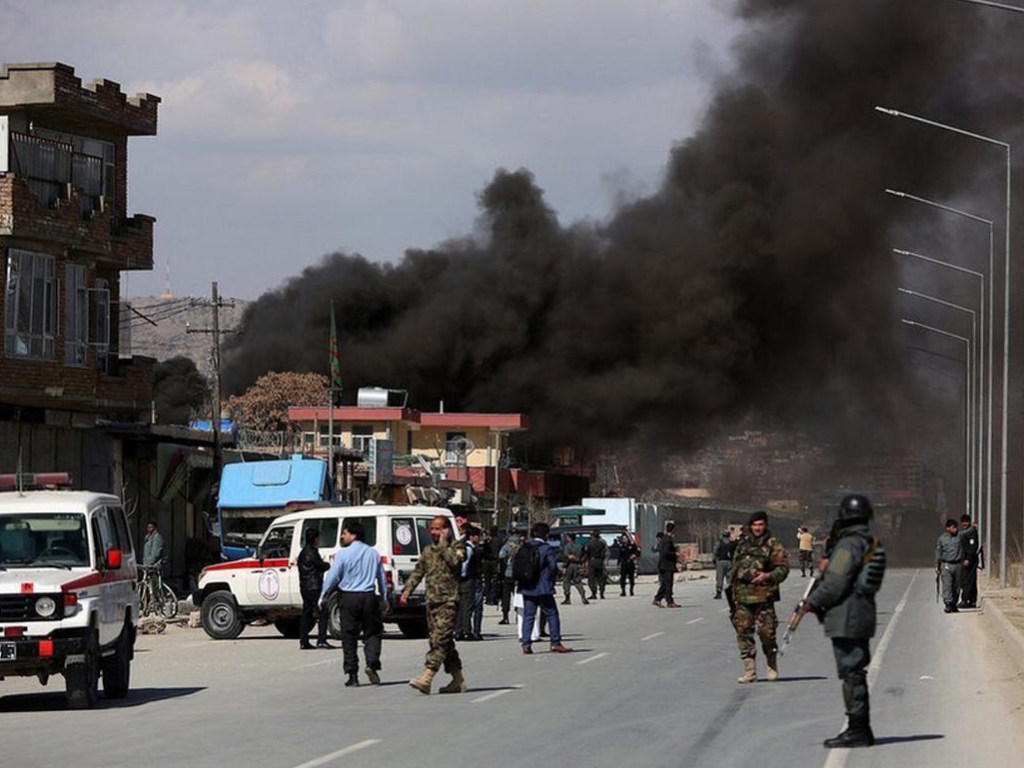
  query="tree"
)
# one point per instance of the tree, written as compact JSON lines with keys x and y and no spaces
{"x":264,"y":406}
{"x":180,"y":391}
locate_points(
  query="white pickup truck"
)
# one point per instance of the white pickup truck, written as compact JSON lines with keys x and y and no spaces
{"x":67,"y":591}
{"x":265,"y":588}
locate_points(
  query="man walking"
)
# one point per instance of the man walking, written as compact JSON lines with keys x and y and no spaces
{"x":806,"y":543}
{"x":949,"y":554}
{"x":667,"y":557}
{"x":971,"y":544}
{"x":311,"y":584}
{"x":595,"y":553}
{"x":541,"y":592}
{"x":723,"y":562}
{"x":440,"y":564}
{"x":570,"y":555}
{"x":508,"y":584}
{"x":357,"y":570}
{"x":759,"y":565}
{"x":629,"y":554}
{"x":845,"y":600}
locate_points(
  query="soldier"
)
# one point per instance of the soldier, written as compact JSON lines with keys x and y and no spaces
{"x":595,"y":552}
{"x":844,"y":601}
{"x":723,"y":562}
{"x":569,"y":556}
{"x":629,"y":553}
{"x":440,"y":564}
{"x":949,"y":554}
{"x":759,"y":565}
{"x":970,"y":564}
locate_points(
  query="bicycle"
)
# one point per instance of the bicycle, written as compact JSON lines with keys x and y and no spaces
{"x":154,"y":595}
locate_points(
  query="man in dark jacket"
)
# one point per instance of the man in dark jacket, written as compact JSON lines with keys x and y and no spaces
{"x":311,"y":581}
{"x":629,"y":555}
{"x":667,"y":557}
{"x":844,"y":600}
{"x":723,"y":562}
{"x":595,"y":552}
{"x":570,"y":555}
{"x":469,"y":585}
{"x":542,"y":593}
{"x":971,"y":544}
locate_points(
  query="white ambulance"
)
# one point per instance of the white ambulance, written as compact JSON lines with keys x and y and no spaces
{"x":67,"y":588}
{"x":265,"y":588}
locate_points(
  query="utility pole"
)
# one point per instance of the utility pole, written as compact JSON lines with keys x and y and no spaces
{"x":215,"y":304}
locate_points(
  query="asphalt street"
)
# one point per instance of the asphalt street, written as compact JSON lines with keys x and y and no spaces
{"x":645,"y":687}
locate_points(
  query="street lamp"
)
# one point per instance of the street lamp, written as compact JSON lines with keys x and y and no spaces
{"x":1006,"y":323}
{"x":967,"y":342}
{"x":972,"y":420}
{"x":987,"y":471}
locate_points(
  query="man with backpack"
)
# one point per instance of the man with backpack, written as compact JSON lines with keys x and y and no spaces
{"x":844,"y":600}
{"x":535,"y":568}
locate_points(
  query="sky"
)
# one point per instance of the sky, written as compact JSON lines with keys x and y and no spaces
{"x":288,"y":131}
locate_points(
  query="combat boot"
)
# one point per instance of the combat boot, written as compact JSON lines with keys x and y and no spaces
{"x":457,"y":685}
{"x":422,"y":683}
{"x":749,"y":671}
{"x":854,"y":736}
{"x":773,"y":665}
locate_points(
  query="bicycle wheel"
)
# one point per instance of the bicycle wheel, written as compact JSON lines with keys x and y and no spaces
{"x":168,"y":602}
{"x":145,"y":598}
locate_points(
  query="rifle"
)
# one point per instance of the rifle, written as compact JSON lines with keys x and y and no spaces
{"x":797,"y":616}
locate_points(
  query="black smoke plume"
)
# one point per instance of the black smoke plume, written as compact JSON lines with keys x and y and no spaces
{"x":758,"y":279}
{"x":180,"y":391}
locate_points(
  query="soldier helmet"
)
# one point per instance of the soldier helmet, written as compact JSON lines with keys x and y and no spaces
{"x":854,"y":506}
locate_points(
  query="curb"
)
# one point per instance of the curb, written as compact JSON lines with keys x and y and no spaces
{"x":1013,"y":639}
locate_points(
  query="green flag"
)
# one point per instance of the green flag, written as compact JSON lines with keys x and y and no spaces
{"x":335,"y":355}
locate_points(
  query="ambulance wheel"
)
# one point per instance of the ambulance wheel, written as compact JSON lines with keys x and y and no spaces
{"x":81,"y":676}
{"x":413,"y":628}
{"x":288,"y":628}
{"x":220,"y":617}
{"x":333,"y":608}
{"x":117,"y":669}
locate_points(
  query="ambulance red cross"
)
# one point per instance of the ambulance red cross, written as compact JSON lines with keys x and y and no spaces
{"x":67,"y":588}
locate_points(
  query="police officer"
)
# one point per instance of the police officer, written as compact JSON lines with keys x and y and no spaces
{"x":569,"y":555}
{"x":723,"y":562}
{"x":969,"y":565}
{"x":629,"y":554}
{"x":844,"y":600}
{"x":595,"y":552}
{"x":949,"y":554}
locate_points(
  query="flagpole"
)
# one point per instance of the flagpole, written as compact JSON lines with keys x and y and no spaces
{"x":334,"y":376}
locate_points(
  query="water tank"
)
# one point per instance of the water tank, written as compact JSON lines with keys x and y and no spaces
{"x":379,"y":397}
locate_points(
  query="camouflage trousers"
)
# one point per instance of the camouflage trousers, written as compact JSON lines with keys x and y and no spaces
{"x":748,"y":616}
{"x":441,"y":618}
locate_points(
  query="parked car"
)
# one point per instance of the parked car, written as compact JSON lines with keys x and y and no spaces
{"x":67,"y":591}
{"x":611,"y":533}
{"x":266,"y":587}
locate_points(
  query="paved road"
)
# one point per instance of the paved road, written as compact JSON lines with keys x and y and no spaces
{"x":647,"y":687}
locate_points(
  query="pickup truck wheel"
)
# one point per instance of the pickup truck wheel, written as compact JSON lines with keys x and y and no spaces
{"x":117,"y":669}
{"x":288,"y":628}
{"x":220,"y":617}
{"x":413,"y":628}
{"x":81,"y":676}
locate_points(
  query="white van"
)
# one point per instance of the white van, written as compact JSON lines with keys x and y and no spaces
{"x":67,"y":591}
{"x":265,"y":588}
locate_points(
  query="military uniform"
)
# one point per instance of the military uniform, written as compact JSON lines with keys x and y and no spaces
{"x":949,"y":553}
{"x":440,"y":564}
{"x":755,"y":603}
{"x":569,"y":555}
{"x":971,"y":543}
{"x":596,"y":551}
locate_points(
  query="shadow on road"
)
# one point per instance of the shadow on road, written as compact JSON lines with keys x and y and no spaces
{"x":803,"y":679}
{"x":879,"y":740}
{"x":53,"y":701}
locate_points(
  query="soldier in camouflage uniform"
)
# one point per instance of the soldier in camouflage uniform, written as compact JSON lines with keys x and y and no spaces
{"x":440,"y":565}
{"x":759,"y":565}
{"x":569,"y":555}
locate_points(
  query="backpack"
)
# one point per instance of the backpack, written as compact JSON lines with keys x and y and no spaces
{"x":526,"y":565}
{"x":869,"y":579}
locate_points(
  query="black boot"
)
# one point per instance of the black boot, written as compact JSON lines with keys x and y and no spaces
{"x":353,"y":681}
{"x":854,"y":736}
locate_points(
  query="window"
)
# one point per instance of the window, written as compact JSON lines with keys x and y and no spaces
{"x":31,"y":321}
{"x":328,"y":527}
{"x":278,"y":541}
{"x":53,"y":155}
{"x":362,"y":436}
{"x":101,"y":318}
{"x":325,"y":436}
{"x":423,"y":531}
{"x":369,"y":528}
{"x":456,"y":445}
{"x":76,"y":312}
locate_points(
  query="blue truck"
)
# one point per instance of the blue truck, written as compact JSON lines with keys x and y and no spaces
{"x":254,"y":493}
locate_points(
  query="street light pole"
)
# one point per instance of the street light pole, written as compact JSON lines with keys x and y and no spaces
{"x":972,"y":390}
{"x":1003,"y":473}
{"x":967,"y":342}
{"x":986,"y":451}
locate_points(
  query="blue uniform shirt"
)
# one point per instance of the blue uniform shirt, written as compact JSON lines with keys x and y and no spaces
{"x":356,"y":568}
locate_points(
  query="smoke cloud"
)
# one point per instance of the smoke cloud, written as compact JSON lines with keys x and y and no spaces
{"x":758,"y":279}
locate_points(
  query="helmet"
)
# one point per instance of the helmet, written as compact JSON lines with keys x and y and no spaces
{"x":854,"y":506}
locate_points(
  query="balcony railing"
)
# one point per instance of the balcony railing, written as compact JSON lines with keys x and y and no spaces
{"x":49,"y":166}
